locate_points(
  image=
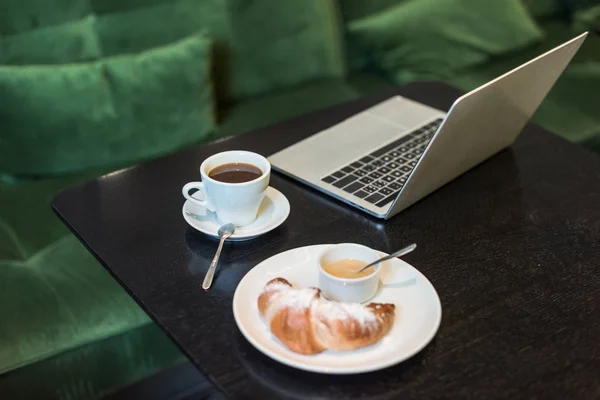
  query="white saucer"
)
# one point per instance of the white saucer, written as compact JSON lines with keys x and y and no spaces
{"x":418,"y":314}
{"x":274,"y":209}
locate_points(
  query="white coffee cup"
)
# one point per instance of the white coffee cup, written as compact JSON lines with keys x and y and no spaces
{"x":235,"y":203}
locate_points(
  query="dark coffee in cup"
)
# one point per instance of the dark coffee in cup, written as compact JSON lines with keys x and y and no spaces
{"x":235,"y":173}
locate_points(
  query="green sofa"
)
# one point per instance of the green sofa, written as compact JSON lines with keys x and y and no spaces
{"x":92,"y":86}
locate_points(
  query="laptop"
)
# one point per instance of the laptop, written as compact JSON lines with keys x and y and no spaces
{"x":387,"y":157}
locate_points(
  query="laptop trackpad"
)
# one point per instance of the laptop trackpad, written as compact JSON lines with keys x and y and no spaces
{"x":326,"y":151}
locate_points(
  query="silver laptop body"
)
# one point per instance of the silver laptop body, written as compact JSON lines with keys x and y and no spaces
{"x":385,"y":158}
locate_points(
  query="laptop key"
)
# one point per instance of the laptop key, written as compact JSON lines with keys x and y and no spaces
{"x":386,"y":191}
{"x":390,"y":146}
{"x":361,"y":193}
{"x":392,"y":165}
{"x":395,"y":153}
{"x":345,"y":181}
{"x":360,"y":172}
{"x":386,"y":158}
{"x":403,"y":149}
{"x":377,"y":163}
{"x":353,"y":187}
{"x":379,"y":184}
{"x":338,"y":174}
{"x":376,"y":175}
{"x":411,"y":145}
{"x":396,"y":185}
{"x":366,"y":159}
{"x":409,"y":156}
{"x":412,"y":163}
{"x":402,"y":180}
{"x":397,"y":174}
{"x":406,"y":169}
{"x":368,"y":168}
{"x":388,"y":199}
{"x":366,"y":180}
{"x":374,"y":198}
{"x":370,"y":189}
{"x":401,"y":160}
{"x":356,"y":164}
{"x":328,"y":179}
{"x":388,"y":178}
{"x":384,"y":170}
{"x":348,"y":170}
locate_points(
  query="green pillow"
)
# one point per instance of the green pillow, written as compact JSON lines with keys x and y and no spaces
{"x":431,"y":39}
{"x":134,"y":29}
{"x":587,"y":19}
{"x":18,"y":16}
{"x":144,"y":28}
{"x":116,"y":6}
{"x":543,"y":8}
{"x":299,"y":41}
{"x":276,"y":45}
{"x":69,"y":42}
{"x":356,"y":9}
{"x":549,"y":8}
{"x":58,"y":119}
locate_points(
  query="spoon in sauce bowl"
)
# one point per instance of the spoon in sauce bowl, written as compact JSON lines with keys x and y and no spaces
{"x":398,"y":253}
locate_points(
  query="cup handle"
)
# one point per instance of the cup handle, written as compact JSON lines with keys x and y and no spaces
{"x":206,"y":203}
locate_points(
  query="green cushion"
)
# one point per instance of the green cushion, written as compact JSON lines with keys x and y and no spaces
{"x":65,"y":43}
{"x":135,"y":29}
{"x":574,"y":5}
{"x":25,"y":15}
{"x":297,"y":42}
{"x":571,"y":108}
{"x":428,"y":39}
{"x":253,"y":55}
{"x":54,"y":295}
{"x":587,"y":19}
{"x":67,"y":325}
{"x":353,"y":9}
{"x":57,"y":299}
{"x":113,"y":112}
{"x":543,"y":8}
{"x":131,"y":27}
{"x":270,"y":109}
{"x":366,"y":82}
{"x":356,"y":57}
{"x":94,"y":370}
{"x":116,"y":6}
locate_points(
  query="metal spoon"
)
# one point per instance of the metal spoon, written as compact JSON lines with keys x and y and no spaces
{"x":224,"y":232}
{"x":399,"y":253}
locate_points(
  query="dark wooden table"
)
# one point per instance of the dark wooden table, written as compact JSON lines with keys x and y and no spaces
{"x":512,"y":247}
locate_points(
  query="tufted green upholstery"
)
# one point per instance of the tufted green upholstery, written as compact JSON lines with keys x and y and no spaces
{"x":57,"y":302}
{"x":111,"y":112}
{"x":67,"y":326}
{"x":425,"y":39}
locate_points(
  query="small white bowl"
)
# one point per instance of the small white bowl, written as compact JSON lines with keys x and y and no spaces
{"x":348,"y":290}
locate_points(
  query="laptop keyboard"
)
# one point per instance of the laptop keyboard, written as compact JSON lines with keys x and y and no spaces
{"x":379,"y":176}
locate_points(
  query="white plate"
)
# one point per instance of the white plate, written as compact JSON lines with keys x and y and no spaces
{"x":418,"y":314}
{"x":273,"y":211}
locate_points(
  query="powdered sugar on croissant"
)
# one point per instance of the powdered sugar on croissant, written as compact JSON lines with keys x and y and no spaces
{"x":308,"y":324}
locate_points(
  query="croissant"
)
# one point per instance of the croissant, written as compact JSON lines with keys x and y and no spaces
{"x":307,"y":323}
